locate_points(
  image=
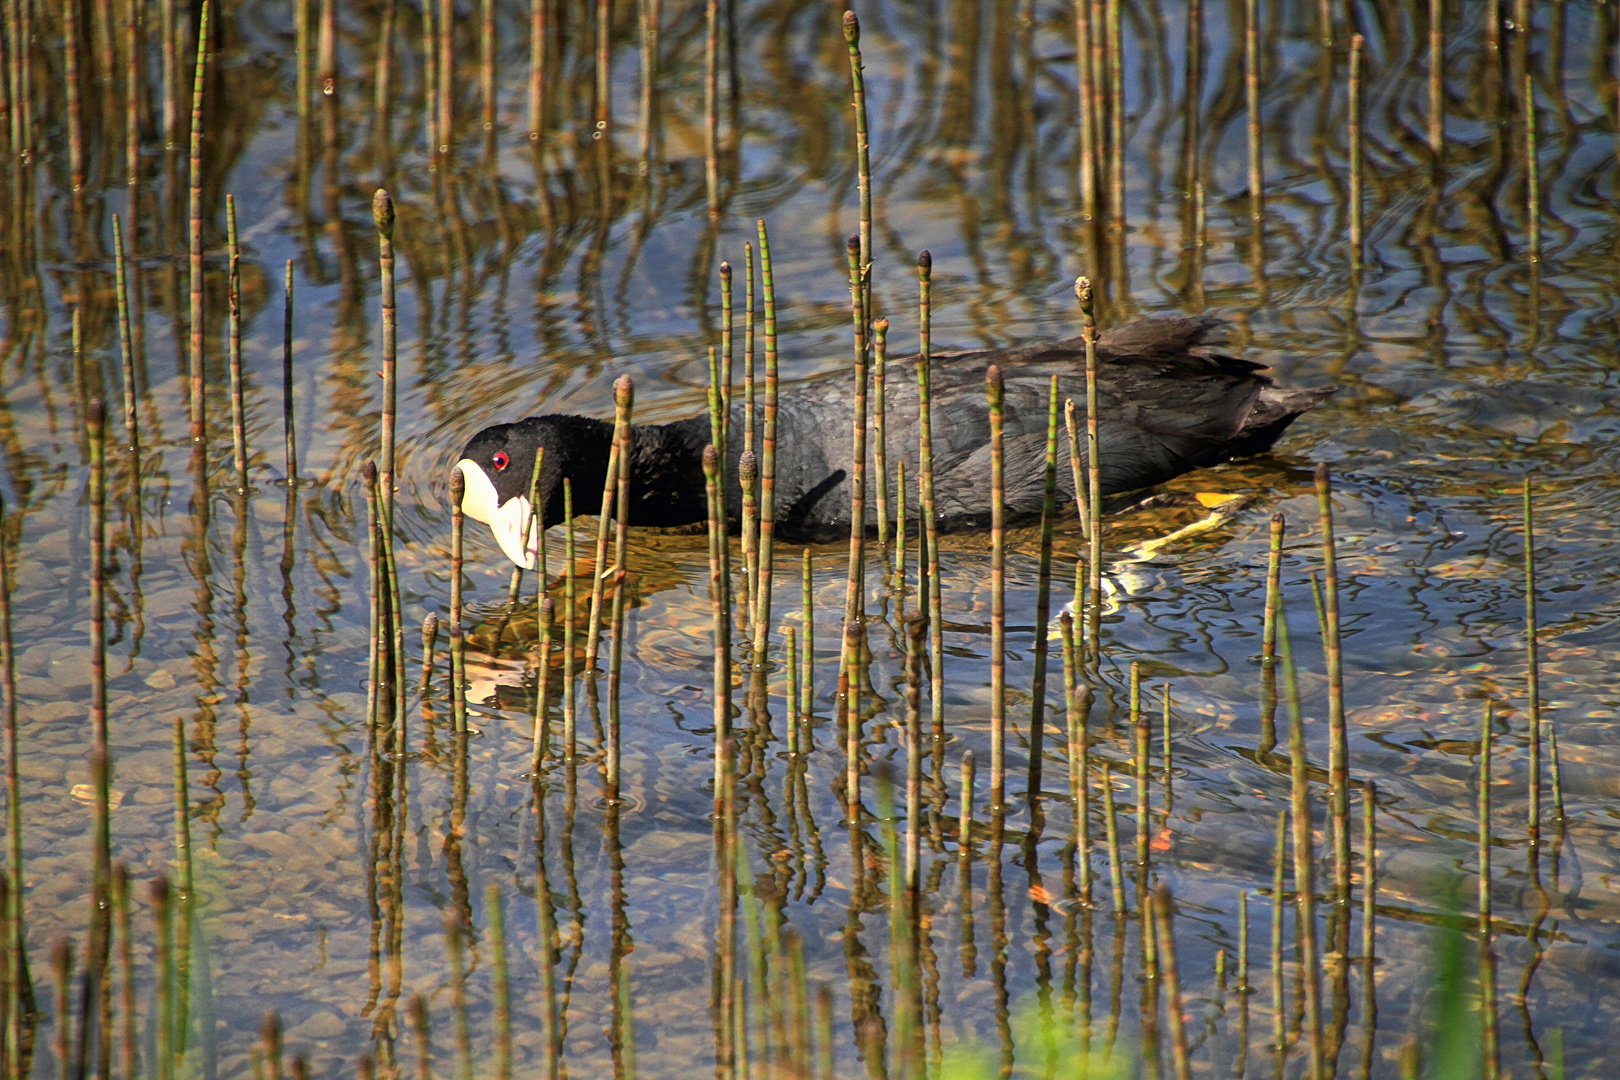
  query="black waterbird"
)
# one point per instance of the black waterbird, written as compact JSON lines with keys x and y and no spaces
{"x":1167,"y":404}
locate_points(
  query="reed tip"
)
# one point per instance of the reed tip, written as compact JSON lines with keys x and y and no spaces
{"x":1321,"y":473}
{"x":725,"y":271}
{"x":458,"y":486}
{"x":992,"y":379}
{"x":1278,"y":521}
{"x":548,"y":610}
{"x":623,"y":390}
{"x":1161,"y":896}
{"x":967,"y":760}
{"x":852,"y":28}
{"x":711,"y":458}
{"x":925,"y":261}
{"x":382,"y":212}
{"x":916,"y":625}
{"x":430,"y":624}
{"x":270,"y":1028}
{"x":159,"y":891}
{"x":853,"y":244}
{"x":1082,"y":292}
{"x":880,"y":327}
{"x":748,"y":465}
{"x":96,"y":413}
{"x":368,"y":472}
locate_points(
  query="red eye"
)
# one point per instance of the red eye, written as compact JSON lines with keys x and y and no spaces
{"x":501,"y":461}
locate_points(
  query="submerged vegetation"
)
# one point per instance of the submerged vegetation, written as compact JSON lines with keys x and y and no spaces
{"x":919,"y":808}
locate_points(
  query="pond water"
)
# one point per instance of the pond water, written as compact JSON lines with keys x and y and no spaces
{"x":324,"y":873}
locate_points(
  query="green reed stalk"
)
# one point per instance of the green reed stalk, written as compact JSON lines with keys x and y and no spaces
{"x":1076,"y":470}
{"x":1557,"y":782}
{"x":289,"y":433}
{"x":711,"y":106}
{"x":1487,"y":966}
{"x":1115,"y":67}
{"x":880,"y":450}
{"x":1324,"y":22}
{"x":446,"y":80}
{"x":1304,"y":887}
{"x":1251,"y":94}
{"x":767,"y":473}
{"x":749,"y":305}
{"x":1532,"y":172}
{"x":1043,"y":595}
{"x":900,"y":536}
{"x":233,"y":295}
{"x":486,"y":72}
{"x":17,"y":997}
{"x":126,"y":971}
{"x":126,"y":348}
{"x":623,"y":399}
{"x":163,"y":1041}
{"x":1087,"y":109}
{"x":1437,"y":143}
{"x":929,"y":555}
{"x":1268,"y":638}
{"x":964,"y":823}
{"x":726,"y":354}
{"x":1088,"y":328}
{"x":418,"y":1010}
{"x":1172,"y":982}
{"x":1143,"y":735}
{"x":791,"y":647}
{"x":807,"y":698}
{"x":100,"y":752}
{"x":863,"y":161}
{"x":270,"y":1040}
{"x":995,"y":395}
{"x":535,"y":98}
{"x":1369,"y":873}
{"x":542,"y":678}
{"x":1338,"y":737}
{"x":1243,"y":942}
{"x":916,"y":627}
{"x":382,"y":215}
{"x":62,"y":978}
{"x":430,"y":642}
{"x":722,"y":647}
{"x":1166,"y":736}
{"x":1079,"y":755}
{"x":621,"y":556}
{"x":198,"y":418}
{"x":1532,"y":666}
{"x":570,"y":619}
{"x":849,"y":691}
{"x":1356,"y":154}
{"x":453,"y":947}
{"x":1279,"y":1018}
{"x":501,"y":998}
{"x":186,"y":888}
{"x":1116,"y":875}
{"x":458,"y":659}
{"x":748,"y":479}
{"x":854,"y":591}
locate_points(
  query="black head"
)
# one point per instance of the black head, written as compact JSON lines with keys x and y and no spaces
{"x":498,"y":464}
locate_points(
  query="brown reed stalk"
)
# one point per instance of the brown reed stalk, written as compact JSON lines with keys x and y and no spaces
{"x":1077,"y":475}
{"x":535,"y":99}
{"x":1304,"y":887}
{"x":500,"y":995}
{"x":570,"y":619}
{"x":849,"y":687}
{"x":1268,"y":637}
{"x":198,"y":419}
{"x":1243,"y":942}
{"x":1088,"y":328}
{"x":126,"y":348}
{"x":445,"y":81}
{"x":542,"y":677}
{"x":1172,"y":982}
{"x":964,"y":823}
{"x":880,"y":449}
{"x":1085,"y":85}
{"x":97,"y":948}
{"x":916,"y":627}
{"x":1193,"y":68}
{"x":711,"y":105}
{"x":807,"y":616}
{"x":767,"y":469}
{"x":430,"y":641}
{"x":748,"y":479}
{"x":1079,"y":755}
{"x":1251,"y":96}
{"x":234,"y":301}
{"x":863,"y":161}
{"x":17,"y":998}
{"x":486,"y":72}
{"x":1532,"y":667}
{"x":1532,"y":172}
{"x":1437,"y":142}
{"x":382,"y":215}
{"x":1043,"y":596}
{"x":1369,"y":874}
{"x":1115,"y":67}
{"x":1166,"y":736}
{"x":126,"y":971}
{"x":1356,"y":153}
{"x":1338,"y":736}
{"x":1324,"y":22}
{"x":854,"y":590}
{"x":623,"y":399}
{"x":1116,"y":874}
{"x":621,"y":541}
{"x":1279,"y":1018}
{"x":1143,"y":735}
{"x":160,"y":897}
{"x":749,"y":305}
{"x":458,"y":669}
{"x":722,"y":647}
{"x":62,"y":978}
{"x":454,"y":947}
{"x":791,"y":648}
{"x":289,"y":433}
{"x":1557,"y":781}
{"x":925,"y":496}
{"x":996,"y":397}
{"x":134,"y":80}
{"x":75,"y":115}
{"x":418,"y":1010}
{"x":1487,"y":959}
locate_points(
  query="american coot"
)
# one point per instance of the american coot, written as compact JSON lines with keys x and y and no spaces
{"x":1166,"y":406}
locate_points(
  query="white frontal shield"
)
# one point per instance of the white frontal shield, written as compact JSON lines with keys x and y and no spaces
{"x":508,"y":521}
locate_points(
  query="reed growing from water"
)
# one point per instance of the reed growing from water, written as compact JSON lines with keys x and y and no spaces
{"x":623,"y":402}
{"x":1251,"y":98}
{"x":929,"y":556}
{"x":1357,"y":244}
{"x":382,"y":215}
{"x":1487,"y":959}
{"x":194,"y":206}
{"x":880,"y":434}
{"x":1043,"y":596}
{"x":1304,"y":879}
{"x":458,"y":662}
{"x":288,"y":428}
{"x":996,"y":398}
{"x":1088,"y":329}
{"x":722,"y":647}
{"x":233,"y":293}
{"x":854,"y":593}
{"x":1116,"y":875}
{"x":1532,"y":668}
{"x":1338,"y":736}
{"x":807,"y":692}
{"x":570,"y":622}
{"x":863,"y":163}
{"x":542,"y":677}
{"x":767,"y":468}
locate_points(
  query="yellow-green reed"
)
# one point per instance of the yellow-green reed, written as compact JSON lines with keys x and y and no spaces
{"x":767,"y":466}
{"x":570,"y":619}
{"x":1487,"y":959}
{"x":126,"y":347}
{"x":622,"y":388}
{"x":382,"y":215}
{"x":807,"y":617}
{"x":623,"y":401}
{"x":1338,"y":736}
{"x":1532,"y":667}
{"x":233,"y":294}
{"x":880,"y":434}
{"x":430,"y":641}
{"x":458,"y":661}
{"x":722,"y":647}
{"x":996,"y":398}
{"x":1088,"y":328}
{"x":542,"y":677}
{"x":863,"y":162}
{"x":194,"y":206}
{"x":854,"y":592}
{"x":1043,"y":597}
{"x":1172,"y":981}
{"x":1304,"y":877}
{"x":928,"y":556}
{"x":288,"y":429}
{"x":1076,"y":471}
{"x":1116,"y":874}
